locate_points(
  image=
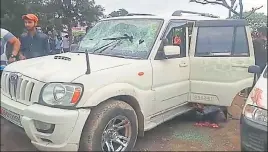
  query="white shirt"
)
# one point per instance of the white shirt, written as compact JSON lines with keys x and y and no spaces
{"x":5,"y":37}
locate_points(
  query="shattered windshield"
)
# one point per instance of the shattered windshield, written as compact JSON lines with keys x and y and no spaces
{"x":130,"y":38}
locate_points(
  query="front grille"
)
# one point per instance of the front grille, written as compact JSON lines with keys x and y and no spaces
{"x":17,"y":87}
{"x":256,"y":141}
{"x":254,"y":138}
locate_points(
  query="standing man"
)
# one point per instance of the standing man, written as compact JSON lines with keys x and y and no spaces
{"x":52,"y":43}
{"x":33,"y":43}
{"x":7,"y":37}
{"x":66,"y":44}
{"x":58,"y":47}
{"x":260,"y":48}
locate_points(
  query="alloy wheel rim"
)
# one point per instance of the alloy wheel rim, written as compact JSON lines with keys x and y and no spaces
{"x":116,"y":135}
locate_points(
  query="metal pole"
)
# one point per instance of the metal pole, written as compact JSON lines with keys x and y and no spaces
{"x":241,"y":9}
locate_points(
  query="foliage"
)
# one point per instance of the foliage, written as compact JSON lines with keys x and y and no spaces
{"x":57,"y":14}
{"x":11,"y":13}
{"x":73,"y":12}
{"x":120,"y":12}
{"x":255,"y":20}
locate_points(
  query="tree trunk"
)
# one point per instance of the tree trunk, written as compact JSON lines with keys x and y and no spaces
{"x":70,"y":33}
{"x":232,"y":6}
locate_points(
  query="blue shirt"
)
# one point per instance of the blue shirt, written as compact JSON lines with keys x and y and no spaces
{"x":34,"y":46}
{"x":58,"y":44}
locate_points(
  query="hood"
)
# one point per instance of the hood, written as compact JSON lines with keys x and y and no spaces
{"x":64,"y":67}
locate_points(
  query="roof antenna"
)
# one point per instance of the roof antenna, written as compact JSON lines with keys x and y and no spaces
{"x":88,"y":64}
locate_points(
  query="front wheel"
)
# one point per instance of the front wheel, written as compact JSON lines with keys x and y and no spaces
{"x":111,"y":126}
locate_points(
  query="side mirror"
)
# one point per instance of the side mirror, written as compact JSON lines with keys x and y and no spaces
{"x":254,"y":69}
{"x":171,"y":51}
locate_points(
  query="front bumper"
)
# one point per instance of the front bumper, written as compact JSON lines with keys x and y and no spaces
{"x":253,"y":136}
{"x":68,"y":124}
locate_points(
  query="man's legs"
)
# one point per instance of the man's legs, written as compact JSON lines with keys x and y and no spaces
{"x":57,"y":51}
{"x":66,"y":50}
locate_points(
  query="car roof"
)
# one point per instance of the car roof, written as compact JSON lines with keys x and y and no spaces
{"x":203,"y":21}
{"x":184,"y":17}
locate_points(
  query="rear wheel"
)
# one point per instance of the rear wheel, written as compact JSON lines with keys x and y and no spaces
{"x":112,"y":126}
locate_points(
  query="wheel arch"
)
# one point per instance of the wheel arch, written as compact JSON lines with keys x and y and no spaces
{"x":240,"y":86}
{"x":133,"y":102}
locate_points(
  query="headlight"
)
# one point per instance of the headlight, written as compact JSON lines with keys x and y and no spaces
{"x":61,"y":94}
{"x":256,"y":114}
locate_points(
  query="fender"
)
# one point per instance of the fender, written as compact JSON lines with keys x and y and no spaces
{"x":95,"y":97}
{"x":240,"y":85}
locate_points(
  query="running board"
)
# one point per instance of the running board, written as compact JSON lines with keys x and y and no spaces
{"x":166,"y":115}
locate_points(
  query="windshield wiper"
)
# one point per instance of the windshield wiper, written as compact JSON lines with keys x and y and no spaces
{"x":126,"y":36}
{"x":121,"y":56}
{"x":104,"y":46}
{"x":113,"y":46}
{"x":115,"y":40}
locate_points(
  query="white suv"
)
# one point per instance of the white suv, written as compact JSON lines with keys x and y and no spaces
{"x":253,"y":128}
{"x":128,"y":75}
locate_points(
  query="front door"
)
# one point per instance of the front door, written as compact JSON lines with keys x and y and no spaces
{"x":219,"y":59}
{"x":171,"y":76}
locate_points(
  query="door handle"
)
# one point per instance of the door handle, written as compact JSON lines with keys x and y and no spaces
{"x":183,"y":65}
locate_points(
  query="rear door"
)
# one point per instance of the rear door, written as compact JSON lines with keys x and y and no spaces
{"x":220,"y":54}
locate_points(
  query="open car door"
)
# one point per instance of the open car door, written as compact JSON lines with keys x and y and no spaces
{"x":220,"y":53}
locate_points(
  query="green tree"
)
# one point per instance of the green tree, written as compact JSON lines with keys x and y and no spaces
{"x":11,"y":13}
{"x":255,"y":20}
{"x":57,"y":14}
{"x":120,"y":12}
{"x":69,"y":13}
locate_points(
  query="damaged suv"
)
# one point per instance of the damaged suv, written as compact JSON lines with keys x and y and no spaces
{"x":128,"y":75}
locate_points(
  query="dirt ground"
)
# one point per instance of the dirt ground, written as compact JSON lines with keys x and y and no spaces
{"x":179,"y":134}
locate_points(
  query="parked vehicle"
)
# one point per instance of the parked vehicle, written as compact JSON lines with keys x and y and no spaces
{"x":126,"y":77}
{"x":254,"y":118}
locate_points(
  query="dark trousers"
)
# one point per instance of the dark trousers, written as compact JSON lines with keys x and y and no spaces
{"x":57,"y":51}
{"x":66,"y":50}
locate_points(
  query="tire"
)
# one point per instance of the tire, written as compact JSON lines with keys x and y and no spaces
{"x":100,"y":117}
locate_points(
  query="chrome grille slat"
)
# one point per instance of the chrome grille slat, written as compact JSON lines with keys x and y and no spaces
{"x":7,"y":83}
{"x":28,"y":90}
{"x":18,"y":88}
{"x":22,"y":89}
{"x":11,"y":89}
{"x":3,"y":82}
